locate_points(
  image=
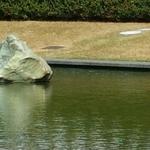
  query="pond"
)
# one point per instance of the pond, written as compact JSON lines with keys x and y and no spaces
{"x":80,"y":109}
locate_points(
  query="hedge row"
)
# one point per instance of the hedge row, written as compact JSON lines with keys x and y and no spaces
{"x":108,"y":10}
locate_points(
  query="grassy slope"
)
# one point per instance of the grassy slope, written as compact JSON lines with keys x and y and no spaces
{"x":87,"y":40}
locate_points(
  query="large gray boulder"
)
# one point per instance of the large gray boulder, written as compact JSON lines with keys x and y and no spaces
{"x":19,"y":64}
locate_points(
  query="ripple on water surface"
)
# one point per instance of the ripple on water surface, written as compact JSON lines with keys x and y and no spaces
{"x":78,"y":109}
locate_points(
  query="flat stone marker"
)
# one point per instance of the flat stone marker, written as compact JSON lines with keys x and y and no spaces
{"x":134,"y":32}
{"x":131,"y":32}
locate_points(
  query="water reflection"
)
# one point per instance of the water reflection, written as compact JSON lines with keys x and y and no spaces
{"x":78,"y":110}
{"x":20,"y":106}
{"x":100,"y":110}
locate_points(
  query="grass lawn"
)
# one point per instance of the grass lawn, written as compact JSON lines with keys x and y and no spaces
{"x":82,"y":40}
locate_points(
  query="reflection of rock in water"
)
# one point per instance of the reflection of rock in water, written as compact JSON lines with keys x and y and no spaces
{"x":18,"y":104}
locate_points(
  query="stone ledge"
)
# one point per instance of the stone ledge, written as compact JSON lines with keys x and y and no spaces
{"x":99,"y":63}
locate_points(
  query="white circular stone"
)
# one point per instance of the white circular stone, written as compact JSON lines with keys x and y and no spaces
{"x":131,"y":32}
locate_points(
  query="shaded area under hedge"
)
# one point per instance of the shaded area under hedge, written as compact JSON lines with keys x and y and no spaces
{"x":104,"y":10}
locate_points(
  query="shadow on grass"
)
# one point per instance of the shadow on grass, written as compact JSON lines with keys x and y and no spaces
{"x":54,"y":47}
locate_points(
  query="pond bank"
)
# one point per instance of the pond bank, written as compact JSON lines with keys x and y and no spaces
{"x":99,"y":64}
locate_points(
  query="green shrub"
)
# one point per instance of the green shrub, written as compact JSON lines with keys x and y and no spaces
{"x":108,"y":10}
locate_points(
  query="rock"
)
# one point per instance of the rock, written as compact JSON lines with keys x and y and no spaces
{"x":19,"y":64}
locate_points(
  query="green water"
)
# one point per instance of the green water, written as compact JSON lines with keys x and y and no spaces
{"x":79,"y":110}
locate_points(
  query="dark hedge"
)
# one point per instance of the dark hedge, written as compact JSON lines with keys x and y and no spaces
{"x":103,"y":10}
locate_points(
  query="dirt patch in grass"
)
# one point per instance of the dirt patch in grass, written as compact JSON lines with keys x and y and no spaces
{"x":82,"y":40}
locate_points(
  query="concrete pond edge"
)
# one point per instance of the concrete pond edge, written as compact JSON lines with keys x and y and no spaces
{"x":78,"y":63}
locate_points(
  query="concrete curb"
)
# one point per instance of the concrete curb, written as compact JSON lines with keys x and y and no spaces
{"x":100,"y":64}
